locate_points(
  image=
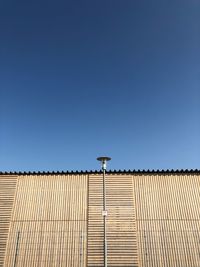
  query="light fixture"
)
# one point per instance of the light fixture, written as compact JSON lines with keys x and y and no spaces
{"x":103,"y":161}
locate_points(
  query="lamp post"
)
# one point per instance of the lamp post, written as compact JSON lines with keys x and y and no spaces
{"x":103,"y":161}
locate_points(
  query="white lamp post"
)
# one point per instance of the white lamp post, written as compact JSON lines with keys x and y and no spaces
{"x":104,"y":212}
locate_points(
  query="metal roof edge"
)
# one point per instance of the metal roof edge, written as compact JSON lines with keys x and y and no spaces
{"x":167,"y":171}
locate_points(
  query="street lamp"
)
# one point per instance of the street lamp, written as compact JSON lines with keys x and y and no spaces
{"x":103,"y":161}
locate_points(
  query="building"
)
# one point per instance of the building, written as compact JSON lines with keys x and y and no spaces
{"x":55,"y":219}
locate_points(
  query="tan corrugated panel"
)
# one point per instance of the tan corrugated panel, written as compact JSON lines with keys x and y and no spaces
{"x":168,"y":220}
{"x":154,"y":215}
{"x":49,"y":222}
{"x":7,"y":194}
{"x":121,"y":226}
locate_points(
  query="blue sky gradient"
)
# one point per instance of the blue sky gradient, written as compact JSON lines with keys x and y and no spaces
{"x":80,"y":79}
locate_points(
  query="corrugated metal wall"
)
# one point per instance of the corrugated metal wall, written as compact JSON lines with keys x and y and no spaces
{"x":168,"y":220}
{"x":49,"y":222}
{"x":153,"y":220}
{"x":7,"y":194}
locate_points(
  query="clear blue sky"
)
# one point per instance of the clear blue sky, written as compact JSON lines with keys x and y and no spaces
{"x":80,"y":79}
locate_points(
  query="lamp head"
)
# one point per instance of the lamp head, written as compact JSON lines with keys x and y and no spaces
{"x":103,"y":161}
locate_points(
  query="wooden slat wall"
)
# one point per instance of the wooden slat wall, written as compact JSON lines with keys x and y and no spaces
{"x":7,"y":194}
{"x":168,"y":219}
{"x":49,"y":221}
{"x":153,"y":216}
{"x":121,"y":226}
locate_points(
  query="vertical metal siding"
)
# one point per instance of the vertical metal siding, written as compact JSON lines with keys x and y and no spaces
{"x":168,"y":219}
{"x":153,"y":220}
{"x":7,"y":194}
{"x":50,"y":217}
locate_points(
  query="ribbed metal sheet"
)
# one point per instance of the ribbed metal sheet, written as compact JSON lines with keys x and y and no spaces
{"x":153,"y":219}
{"x":7,"y":194}
{"x":49,"y":222}
{"x":168,"y":220}
{"x":121,"y":172}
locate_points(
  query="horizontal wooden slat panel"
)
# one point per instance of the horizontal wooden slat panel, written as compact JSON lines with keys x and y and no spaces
{"x":121,"y":227}
{"x":7,"y":194}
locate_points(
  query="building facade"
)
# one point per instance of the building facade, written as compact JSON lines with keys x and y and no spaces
{"x":55,"y":219}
